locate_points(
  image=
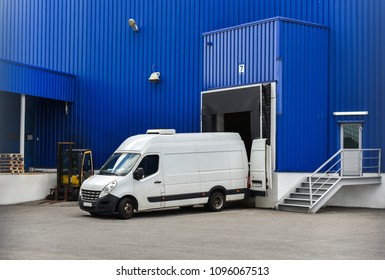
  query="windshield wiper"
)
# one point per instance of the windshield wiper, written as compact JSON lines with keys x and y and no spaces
{"x":105,"y":173}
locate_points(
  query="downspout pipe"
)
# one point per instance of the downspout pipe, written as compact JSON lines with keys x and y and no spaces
{"x":22,"y":123}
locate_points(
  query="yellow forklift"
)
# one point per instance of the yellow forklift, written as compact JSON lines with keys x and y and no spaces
{"x":74,"y":166}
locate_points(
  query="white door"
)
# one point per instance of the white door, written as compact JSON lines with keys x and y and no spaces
{"x":258,"y":168}
{"x":148,"y":188}
{"x":351,"y":142}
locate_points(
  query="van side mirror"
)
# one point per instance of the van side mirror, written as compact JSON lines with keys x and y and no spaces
{"x":139,"y":174}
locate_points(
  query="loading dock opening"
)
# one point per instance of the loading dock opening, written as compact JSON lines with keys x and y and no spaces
{"x":239,"y":122}
{"x":245,"y":110}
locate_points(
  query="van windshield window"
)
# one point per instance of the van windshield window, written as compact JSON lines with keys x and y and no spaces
{"x":119,"y":164}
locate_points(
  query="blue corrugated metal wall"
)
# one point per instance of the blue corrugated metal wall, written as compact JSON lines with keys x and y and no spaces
{"x":24,"y":79}
{"x":91,"y":39}
{"x":295,"y":55}
{"x":252,"y":45}
{"x":302,"y":96}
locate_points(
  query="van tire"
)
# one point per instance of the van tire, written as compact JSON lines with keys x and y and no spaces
{"x":216,"y":202}
{"x":95,"y":214}
{"x":125,"y":208}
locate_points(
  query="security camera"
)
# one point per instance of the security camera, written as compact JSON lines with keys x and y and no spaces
{"x":154,"y":78}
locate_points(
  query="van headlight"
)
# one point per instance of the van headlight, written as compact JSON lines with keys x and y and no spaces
{"x":107,"y":189}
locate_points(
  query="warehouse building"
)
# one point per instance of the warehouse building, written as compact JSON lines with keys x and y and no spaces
{"x":305,"y":75}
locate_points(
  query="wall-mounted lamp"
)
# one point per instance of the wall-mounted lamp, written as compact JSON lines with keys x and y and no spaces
{"x":132,"y":23}
{"x":354,"y":113}
{"x":154,"y":77}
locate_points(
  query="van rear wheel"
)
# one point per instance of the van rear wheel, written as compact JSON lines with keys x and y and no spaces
{"x":125,"y":208}
{"x":216,"y":202}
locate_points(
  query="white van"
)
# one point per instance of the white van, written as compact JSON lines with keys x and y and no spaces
{"x":162,"y":169}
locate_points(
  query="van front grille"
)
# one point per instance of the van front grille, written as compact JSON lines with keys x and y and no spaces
{"x":90,"y":195}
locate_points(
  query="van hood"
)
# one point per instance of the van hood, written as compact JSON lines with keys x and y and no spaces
{"x":98,"y":182}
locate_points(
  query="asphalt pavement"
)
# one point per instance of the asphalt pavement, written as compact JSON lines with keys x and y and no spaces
{"x":41,"y":230}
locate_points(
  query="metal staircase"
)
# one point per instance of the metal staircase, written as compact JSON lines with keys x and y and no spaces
{"x":363,"y":167}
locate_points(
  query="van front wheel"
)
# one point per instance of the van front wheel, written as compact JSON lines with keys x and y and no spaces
{"x":216,"y":202}
{"x":125,"y":208}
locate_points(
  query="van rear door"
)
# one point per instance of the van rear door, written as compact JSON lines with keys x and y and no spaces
{"x":258,"y":168}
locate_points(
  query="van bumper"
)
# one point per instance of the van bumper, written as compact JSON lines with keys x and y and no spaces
{"x":104,"y":205}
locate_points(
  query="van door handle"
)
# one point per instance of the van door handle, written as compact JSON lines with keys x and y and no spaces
{"x":157,"y":182}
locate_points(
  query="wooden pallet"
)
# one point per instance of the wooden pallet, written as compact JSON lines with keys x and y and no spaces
{"x":11,"y":157}
{"x":11,"y":163}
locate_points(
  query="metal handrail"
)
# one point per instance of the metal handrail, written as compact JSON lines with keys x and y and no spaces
{"x":322,"y":176}
{"x":338,"y":171}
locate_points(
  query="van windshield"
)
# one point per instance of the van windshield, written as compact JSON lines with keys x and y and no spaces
{"x":119,"y":164}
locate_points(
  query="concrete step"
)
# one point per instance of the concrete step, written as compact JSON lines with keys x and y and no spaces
{"x":304,"y":195}
{"x":298,"y":201}
{"x":293,"y":208}
{"x":317,"y":185}
{"x":329,"y":180}
{"x":306,"y":190}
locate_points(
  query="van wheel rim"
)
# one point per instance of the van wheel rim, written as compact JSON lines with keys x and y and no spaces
{"x":127,"y":208}
{"x":217,"y":202}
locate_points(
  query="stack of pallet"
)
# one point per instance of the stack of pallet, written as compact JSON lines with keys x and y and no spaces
{"x":11,"y":163}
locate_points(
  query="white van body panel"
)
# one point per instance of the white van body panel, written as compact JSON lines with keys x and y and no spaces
{"x":181,"y":173}
{"x":191,"y":165}
{"x":98,"y":182}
